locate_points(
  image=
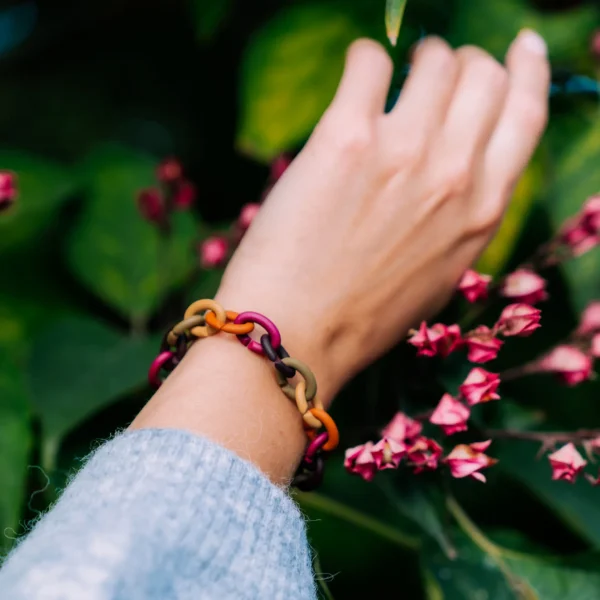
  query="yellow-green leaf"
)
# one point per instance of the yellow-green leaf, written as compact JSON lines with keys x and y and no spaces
{"x":394,"y":12}
{"x":289,"y":75}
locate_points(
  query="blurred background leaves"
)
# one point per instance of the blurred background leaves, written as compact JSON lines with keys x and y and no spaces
{"x":95,"y":94}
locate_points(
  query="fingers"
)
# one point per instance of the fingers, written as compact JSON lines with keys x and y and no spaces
{"x":477,"y":103}
{"x":428,"y":89}
{"x":366,"y":80}
{"x":525,"y":113}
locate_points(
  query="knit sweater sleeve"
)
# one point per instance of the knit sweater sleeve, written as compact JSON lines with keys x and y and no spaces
{"x":164,"y":515}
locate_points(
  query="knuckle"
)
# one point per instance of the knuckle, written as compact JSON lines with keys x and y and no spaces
{"x":458,"y":179}
{"x":369,"y":50}
{"x":486,"y":218}
{"x":484,"y":65}
{"x":344,"y":136}
{"x":438,"y":52}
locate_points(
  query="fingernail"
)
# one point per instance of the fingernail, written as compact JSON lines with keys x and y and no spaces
{"x":533,"y":41}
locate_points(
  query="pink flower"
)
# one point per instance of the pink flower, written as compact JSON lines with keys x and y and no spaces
{"x":402,"y":428}
{"x":595,"y":347}
{"x":519,"y":319}
{"x":169,"y":170}
{"x":388,"y":453}
{"x":578,"y":238}
{"x":247,"y":215}
{"x":451,"y":415}
{"x":480,"y":386}
{"x":474,"y":286}
{"x":592,"y":447}
{"x":437,"y":340}
{"x":185,"y":195}
{"x":424,"y":454}
{"x":213,"y":251}
{"x":359,"y":461}
{"x":523,"y":285}
{"x":590,"y":319}
{"x":566,"y":463}
{"x":151,"y":205}
{"x":279,"y":166}
{"x":568,"y":363}
{"x":466,"y":460}
{"x":8,"y":189}
{"x":482,"y":345}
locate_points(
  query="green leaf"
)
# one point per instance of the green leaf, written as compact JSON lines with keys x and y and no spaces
{"x":15,"y":443}
{"x":394,"y":12}
{"x":493,"y":26}
{"x":530,"y":577}
{"x":289,"y":75}
{"x":576,"y":505}
{"x":79,"y":366}
{"x":208,"y":16}
{"x":499,"y":251}
{"x":43,"y":186}
{"x":114,"y":251}
{"x":577,"y":178}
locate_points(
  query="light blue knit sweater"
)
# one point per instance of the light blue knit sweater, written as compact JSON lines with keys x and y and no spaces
{"x":161,"y":515}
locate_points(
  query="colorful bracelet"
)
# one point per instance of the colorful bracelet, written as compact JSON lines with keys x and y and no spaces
{"x":204,"y":318}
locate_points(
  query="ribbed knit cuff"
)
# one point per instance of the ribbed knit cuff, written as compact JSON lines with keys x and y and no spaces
{"x":161,"y":514}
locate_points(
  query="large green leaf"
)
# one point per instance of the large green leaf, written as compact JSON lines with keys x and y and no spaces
{"x":15,"y":443}
{"x":43,"y":185}
{"x":79,"y":366}
{"x":487,"y":569}
{"x":209,"y":15}
{"x":493,"y":25}
{"x":117,"y":254}
{"x":576,"y":505}
{"x":289,"y":75}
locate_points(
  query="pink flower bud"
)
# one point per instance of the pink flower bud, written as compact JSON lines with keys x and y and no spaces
{"x":595,"y":346}
{"x":213,"y":251}
{"x":519,"y":319}
{"x":474,"y":286}
{"x":279,"y":166}
{"x":388,"y":453}
{"x":247,"y":215}
{"x":590,"y":319}
{"x":424,"y":454}
{"x":523,"y":285}
{"x":169,"y":170}
{"x":151,"y":205}
{"x":480,"y":386}
{"x":8,"y":189}
{"x":466,"y":460}
{"x":438,"y":340}
{"x":566,"y":463}
{"x":402,"y":428}
{"x":451,"y":415}
{"x":568,"y":363}
{"x":359,"y":461}
{"x":482,"y":345}
{"x":184,"y":196}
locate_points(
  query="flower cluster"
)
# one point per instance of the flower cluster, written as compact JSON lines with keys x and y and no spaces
{"x":582,"y":233}
{"x":173,"y":192}
{"x":402,"y":443}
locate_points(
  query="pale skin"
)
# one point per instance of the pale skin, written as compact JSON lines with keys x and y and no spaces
{"x":366,"y":234}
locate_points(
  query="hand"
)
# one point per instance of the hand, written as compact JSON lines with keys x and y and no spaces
{"x":375,"y":221}
{"x":368,"y":231}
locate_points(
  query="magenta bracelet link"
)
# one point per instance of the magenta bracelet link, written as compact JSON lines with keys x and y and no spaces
{"x":267,"y":324}
{"x":157,"y":364}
